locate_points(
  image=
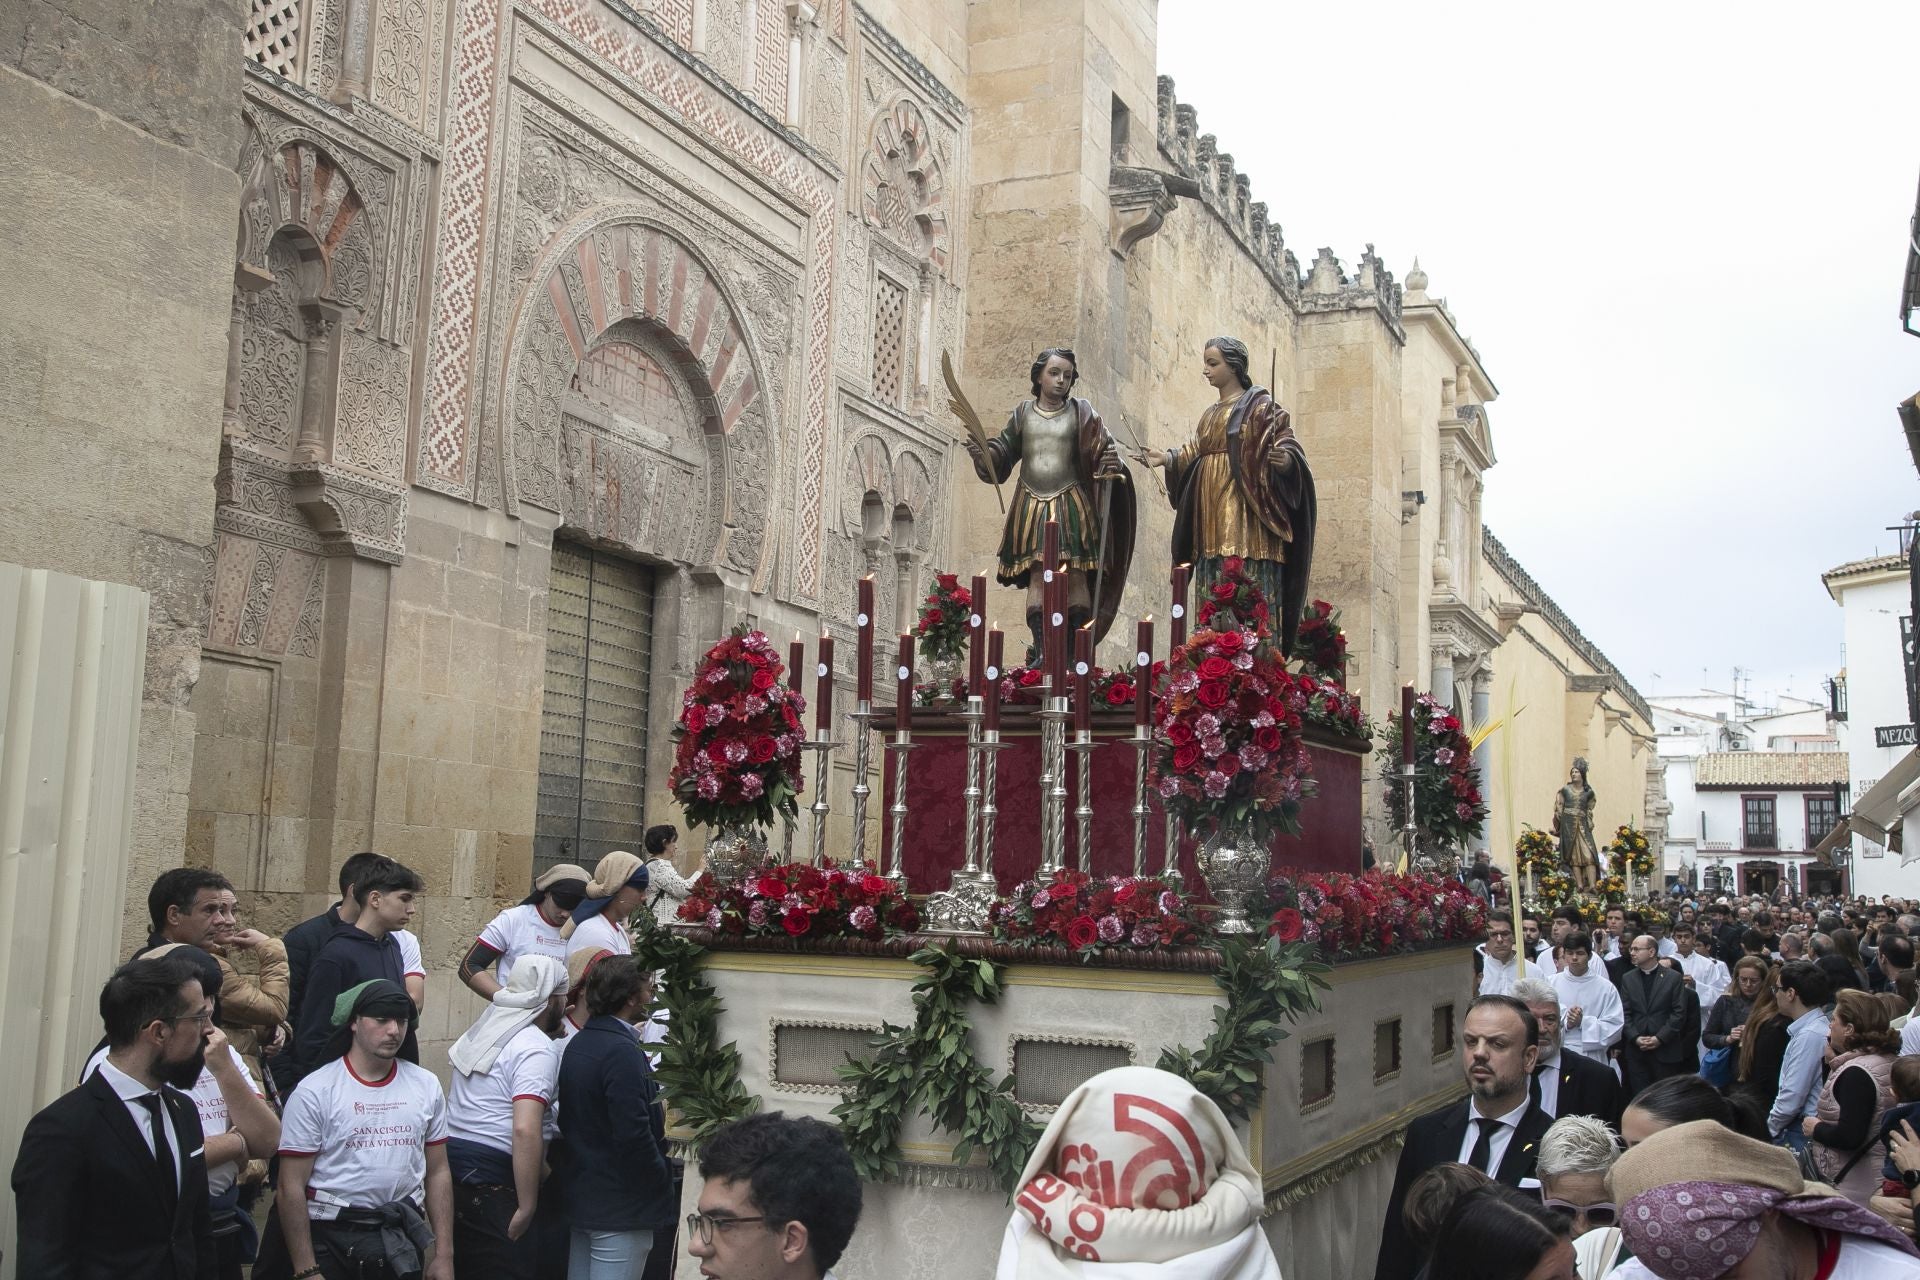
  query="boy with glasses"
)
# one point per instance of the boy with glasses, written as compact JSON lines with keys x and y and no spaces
{"x":780,"y":1202}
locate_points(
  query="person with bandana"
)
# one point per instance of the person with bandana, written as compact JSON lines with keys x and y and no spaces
{"x":111,"y":1177}
{"x":1700,"y":1202}
{"x":365,"y":1191}
{"x":616,"y":891}
{"x":532,"y":928}
{"x":1141,"y":1173}
{"x":506,"y":1072}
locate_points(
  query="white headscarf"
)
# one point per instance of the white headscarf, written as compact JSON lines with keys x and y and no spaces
{"x":1138,"y":1177}
{"x":530,"y":983}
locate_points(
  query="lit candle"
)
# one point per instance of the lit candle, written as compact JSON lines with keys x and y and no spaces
{"x":995,"y":652}
{"x":1180,"y":573}
{"x":1057,"y":631}
{"x":1406,"y":724}
{"x":823,"y":689}
{"x":977,"y":637}
{"x":864,"y":621}
{"x":903,"y":697}
{"x":1083,"y":679}
{"x":796,"y":655}
{"x":1143,"y":673}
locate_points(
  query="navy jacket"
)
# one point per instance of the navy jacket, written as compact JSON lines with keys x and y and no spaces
{"x":352,"y":956}
{"x":610,"y":1165}
{"x":90,"y":1201}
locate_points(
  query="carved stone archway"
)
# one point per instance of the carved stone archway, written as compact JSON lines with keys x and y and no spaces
{"x":618,"y":270}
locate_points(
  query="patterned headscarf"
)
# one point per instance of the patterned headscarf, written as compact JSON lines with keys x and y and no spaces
{"x":1692,"y":1199}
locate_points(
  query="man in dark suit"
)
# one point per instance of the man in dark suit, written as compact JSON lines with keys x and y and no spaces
{"x":1565,"y":1084}
{"x":111,"y":1179}
{"x":1496,"y":1128}
{"x":1654,"y":999}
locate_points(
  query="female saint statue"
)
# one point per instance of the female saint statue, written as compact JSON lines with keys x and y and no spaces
{"x":1242,"y":487}
{"x":1070,"y":471}
{"x":1573,"y":826}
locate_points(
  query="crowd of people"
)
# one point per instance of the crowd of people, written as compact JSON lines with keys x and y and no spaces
{"x":1698,"y":1089}
{"x":244,"y":1079}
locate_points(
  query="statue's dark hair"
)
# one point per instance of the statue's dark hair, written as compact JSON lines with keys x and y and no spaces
{"x":1040,"y":362}
{"x":1234,"y":352}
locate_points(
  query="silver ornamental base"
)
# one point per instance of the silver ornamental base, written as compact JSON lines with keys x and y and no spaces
{"x":967,"y":907}
{"x":736,"y":850}
{"x":1234,"y":864}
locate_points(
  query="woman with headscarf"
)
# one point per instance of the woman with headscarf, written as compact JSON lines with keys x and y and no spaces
{"x":616,"y":891}
{"x":1139,"y":1176}
{"x":1699,"y":1201}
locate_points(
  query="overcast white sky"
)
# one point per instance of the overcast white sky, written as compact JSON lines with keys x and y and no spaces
{"x":1675,"y":232}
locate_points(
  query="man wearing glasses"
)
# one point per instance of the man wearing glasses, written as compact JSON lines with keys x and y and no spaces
{"x":111,"y":1178}
{"x":780,"y":1202}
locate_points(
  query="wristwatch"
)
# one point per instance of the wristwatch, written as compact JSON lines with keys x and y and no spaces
{"x":1912,"y":1178}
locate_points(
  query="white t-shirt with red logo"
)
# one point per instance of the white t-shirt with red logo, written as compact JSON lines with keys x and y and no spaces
{"x":212,"y":1106}
{"x":480,"y":1107}
{"x":520,"y":931}
{"x":411,"y":965}
{"x":597,"y":933}
{"x":368,"y":1140}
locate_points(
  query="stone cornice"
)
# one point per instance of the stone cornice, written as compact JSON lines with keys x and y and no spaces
{"x":916,"y":70}
{"x":1502,"y":562}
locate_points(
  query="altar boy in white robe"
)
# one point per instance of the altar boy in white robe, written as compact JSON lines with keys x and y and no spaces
{"x":1590,"y":1014}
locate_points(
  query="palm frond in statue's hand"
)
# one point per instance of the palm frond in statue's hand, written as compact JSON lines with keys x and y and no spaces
{"x":963,"y":409}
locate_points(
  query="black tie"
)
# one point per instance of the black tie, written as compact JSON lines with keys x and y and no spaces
{"x":1483,"y":1146}
{"x":162,"y":1149}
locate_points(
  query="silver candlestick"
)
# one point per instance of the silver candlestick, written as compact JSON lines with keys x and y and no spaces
{"x":973,"y":715}
{"x":822,"y":749}
{"x":1053,"y":785}
{"x":990,"y":749}
{"x":1142,"y":743}
{"x":863,"y":717}
{"x":1083,"y":747}
{"x":895,"y":868}
{"x":1408,"y":775}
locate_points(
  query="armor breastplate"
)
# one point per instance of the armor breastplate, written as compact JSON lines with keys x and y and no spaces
{"x":1047,"y":466}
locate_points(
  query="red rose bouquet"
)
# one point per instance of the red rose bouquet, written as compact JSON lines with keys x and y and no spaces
{"x":1447,"y":803}
{"x":1228,"y":720}
{"x":1332,"y":707}
{"x":1321,"y":644}
{"x":1112,"y":690}
{"x":1378,"y":913}
{"x":738,"y":754}
{"x":793,"y":900}
{"x":1076,"y":911}
{"x":943,"y":619}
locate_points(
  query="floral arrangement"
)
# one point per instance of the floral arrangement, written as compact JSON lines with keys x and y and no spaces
{"x":737,"y":760}
{"x":1076,"y":911}
{"x":1536,"y":851}
{"x":1331,"y":707}
{"x":795,"y":900}
{"x":1020,"y":686}
{"x":1629,"y":848}
{"x":943,"y":620}
{"x":1321,"y":644}
{"x":1611,"y":889}
{"x":1377,"y":913}
{"x":1447,"y":802}
{"x":1228,"y":720}
{"x":1551,"y":889}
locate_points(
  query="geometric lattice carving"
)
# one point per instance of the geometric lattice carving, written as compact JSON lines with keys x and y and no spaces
{"x":273,"y":36}
{"x":770,"y":56}
{"x":1046,"y":1071}
{"x":889,"y":324}
{"x":902,"y":188}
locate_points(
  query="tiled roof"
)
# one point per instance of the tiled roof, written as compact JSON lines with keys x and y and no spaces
{"x":1787,"y":770}
{"x":1856,"y":568}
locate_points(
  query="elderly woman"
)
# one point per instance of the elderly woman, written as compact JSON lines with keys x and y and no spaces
{"x":1859,"y":1091}
{"x":1698,"y":1202}
{"x":1139,"y":1176}
{"x":1575,"y":1154}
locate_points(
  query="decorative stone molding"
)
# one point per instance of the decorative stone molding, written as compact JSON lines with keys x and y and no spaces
{"x":1328,"y":288}
{"x":354,"y":515}
{"x":1501,"y":561}
{"x":1141,"y":200}
{"x":903,"y":184}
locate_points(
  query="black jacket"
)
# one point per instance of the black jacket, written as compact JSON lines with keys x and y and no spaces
{"x":1587,"y":1088}
{"x":89,"y":1197}
{"x":1663,"y":1014}
{"x":1435,"y":1139}
{"x":350,"y":957}
{"x":610,"y":1165}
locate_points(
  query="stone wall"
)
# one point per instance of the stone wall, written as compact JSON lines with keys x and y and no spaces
{"x":117,"y":172}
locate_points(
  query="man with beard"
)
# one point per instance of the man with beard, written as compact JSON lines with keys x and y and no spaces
{"x":506,"y":1071}
{"x":234,"y":1118}
{"x":1565,"y":1084}
{"x":111,"y":1178}
{"x":362,"y":1151}
{"x":1497,"y":1128}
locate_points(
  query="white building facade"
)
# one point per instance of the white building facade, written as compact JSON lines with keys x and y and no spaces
{"x":1871,"y":703}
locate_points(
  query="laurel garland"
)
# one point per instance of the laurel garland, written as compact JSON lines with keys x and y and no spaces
{"x":930,"y":1066}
